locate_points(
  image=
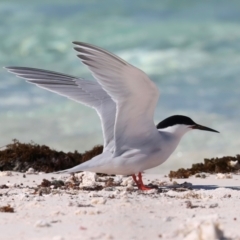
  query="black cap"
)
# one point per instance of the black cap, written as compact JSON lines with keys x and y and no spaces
{"x":179,"y":119}
{"x":174,"y":120}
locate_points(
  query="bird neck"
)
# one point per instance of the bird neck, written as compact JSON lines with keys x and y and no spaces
{"x":169,"y":142}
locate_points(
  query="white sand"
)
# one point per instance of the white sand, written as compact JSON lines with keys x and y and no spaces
{"x":210,"y":210}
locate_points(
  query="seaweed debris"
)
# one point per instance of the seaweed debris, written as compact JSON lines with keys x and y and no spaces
{"x":74,"y":182}
{"x":214,"y":165}
{"x":19,"y":156}
{"x":7,"y":208}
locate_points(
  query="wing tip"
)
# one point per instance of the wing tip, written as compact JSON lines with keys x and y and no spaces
{"x":77,"y":49}
{"x":77,"y":43}
{"x":9,"y":68}
{"x":13,"y":68}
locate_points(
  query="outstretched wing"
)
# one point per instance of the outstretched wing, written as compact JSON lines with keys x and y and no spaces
{"x":134,"y":93}
{"x":86,"y":92}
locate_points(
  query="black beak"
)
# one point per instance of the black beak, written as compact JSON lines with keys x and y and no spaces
{"x":200,"y":127}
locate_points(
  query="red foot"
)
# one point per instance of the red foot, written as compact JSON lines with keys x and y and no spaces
{"x":144,"y":188}
{"x":139,"y":182}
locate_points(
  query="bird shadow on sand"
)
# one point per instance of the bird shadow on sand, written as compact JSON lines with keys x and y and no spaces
{"x":193,"y":187}
{"x":213,"y":187}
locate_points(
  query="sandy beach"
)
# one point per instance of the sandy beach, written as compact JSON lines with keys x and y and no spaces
{"x":87,"y":206}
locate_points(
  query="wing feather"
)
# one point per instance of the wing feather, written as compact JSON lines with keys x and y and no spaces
{"x":134,"y":93}
{"x":86,"y":92}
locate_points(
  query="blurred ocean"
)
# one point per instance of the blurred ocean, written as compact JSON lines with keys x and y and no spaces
{"x":190,"y":49}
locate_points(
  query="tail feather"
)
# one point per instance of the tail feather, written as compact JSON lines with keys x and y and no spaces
{"x":98,"y":163}
{"x":70,"y":170}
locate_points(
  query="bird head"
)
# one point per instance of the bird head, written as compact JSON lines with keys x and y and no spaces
{"x":179,"y":125}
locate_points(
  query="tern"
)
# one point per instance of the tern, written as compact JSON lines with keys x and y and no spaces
{"x":125,"y":99}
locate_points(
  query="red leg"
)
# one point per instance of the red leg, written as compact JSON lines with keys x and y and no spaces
{"x":143,"y":187}
{"x":135,"y":180}
{"x":139,"y":182}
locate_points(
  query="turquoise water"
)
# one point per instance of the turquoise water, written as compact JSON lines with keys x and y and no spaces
{"x":190,"y":49}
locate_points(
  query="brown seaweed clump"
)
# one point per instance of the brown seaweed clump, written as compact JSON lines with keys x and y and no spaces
{"x":92,"y":153}
{"x":7,"y":208}
{"x":213,"y":165}
{"x":19,"y":156}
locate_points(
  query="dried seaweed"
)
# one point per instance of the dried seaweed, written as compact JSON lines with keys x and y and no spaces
{"x":45,"y":183}
{"x":19,"y":156}
{"x":213,"y":165}
{"x":54,"y":183}
{"x":7,"y":208}
{"x":92,"y":153}
{"x":93,"y":188}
